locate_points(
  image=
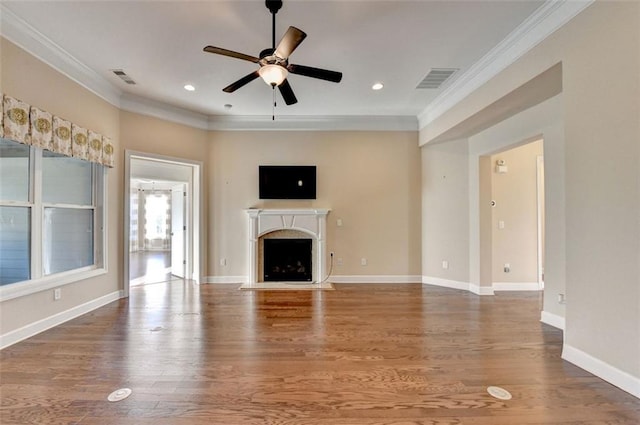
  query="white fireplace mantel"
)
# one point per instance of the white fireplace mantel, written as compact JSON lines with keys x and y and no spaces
{"x":312,"y":221}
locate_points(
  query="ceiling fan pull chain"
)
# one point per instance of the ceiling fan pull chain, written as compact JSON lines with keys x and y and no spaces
{"x":273,"y":106}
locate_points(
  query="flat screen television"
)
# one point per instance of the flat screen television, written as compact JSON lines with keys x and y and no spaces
{"x":287,"y":181}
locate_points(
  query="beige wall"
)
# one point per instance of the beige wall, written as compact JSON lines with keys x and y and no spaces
{"x":601,"y":156}
{"x":515,"y":193}
{"x":369,"y":180}
{"x":445,"y":206}
{"x":28,"y":79}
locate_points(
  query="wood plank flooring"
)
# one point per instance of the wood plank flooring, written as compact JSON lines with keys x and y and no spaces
{"x":362,"y":354}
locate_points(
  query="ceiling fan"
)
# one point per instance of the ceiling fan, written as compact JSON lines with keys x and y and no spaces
{"x":274,"y":62}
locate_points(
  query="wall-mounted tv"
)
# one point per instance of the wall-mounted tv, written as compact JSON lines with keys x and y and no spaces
{"x":287,"y":181}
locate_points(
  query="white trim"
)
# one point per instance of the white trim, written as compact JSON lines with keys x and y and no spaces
{"x":456,"y":284}
{"x":163,"y":111}
{"x":35,"y":328}
{"x":549,"y":17}
{"x":315,"y":123}
{"x":225,"y":279}
{"x":552,"y":320}
{"x":375,"y":279}
{"x":540,"y":218}
{"x":195,"y":242}
{"x":609,"y":373}
{"x":516,"y":286}
{"x":21,"y":289}
{"x":21,"y":33}
{"x":480,"y":290}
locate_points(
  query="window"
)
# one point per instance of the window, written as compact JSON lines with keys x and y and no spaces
{"x":51,"y":219}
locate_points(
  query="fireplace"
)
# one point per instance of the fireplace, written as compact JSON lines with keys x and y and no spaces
{"x":287,"y":260}
{"x":307,"y":225}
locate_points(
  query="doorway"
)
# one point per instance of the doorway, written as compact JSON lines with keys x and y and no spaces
{"x":163,"y":220}
{"x":512,"y":217}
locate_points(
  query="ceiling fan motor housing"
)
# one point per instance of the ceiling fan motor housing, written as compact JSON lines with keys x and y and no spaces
{"x":273,"y":5}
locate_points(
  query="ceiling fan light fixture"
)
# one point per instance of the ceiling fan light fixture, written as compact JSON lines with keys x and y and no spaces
{"x":272,"y":74}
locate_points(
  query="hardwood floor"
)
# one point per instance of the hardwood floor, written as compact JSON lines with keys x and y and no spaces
{"x":149,"y":267}
{"x":362,"y":354}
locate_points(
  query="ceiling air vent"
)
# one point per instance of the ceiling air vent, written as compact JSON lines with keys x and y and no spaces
{"x":123,"y":76}
{"x":436,"y":77}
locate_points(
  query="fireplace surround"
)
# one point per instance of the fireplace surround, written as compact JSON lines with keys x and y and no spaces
{"x":293,"y":224}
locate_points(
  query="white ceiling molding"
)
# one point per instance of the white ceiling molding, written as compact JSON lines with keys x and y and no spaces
{"x":153,"y":108}
{"x":542,"y":23}
{"x":19,"y":32}
{"x":314,"y":123}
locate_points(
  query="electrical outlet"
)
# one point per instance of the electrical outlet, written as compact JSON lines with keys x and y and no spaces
{"x":57,"y":294}
{"x":507,"y":267}
{"x":445,"y":264}
{"x":223,"y":261}
{"x":363,"y":261}
{"x":339,"y":222}
{"x":331,"y":254}
{"x":339,"y":262}
{"x":561,"y":299}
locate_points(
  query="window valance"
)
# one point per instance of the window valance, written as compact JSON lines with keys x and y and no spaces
{"x":27,"y":124}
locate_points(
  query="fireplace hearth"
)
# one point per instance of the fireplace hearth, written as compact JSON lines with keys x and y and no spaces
{"x":287,"y":260}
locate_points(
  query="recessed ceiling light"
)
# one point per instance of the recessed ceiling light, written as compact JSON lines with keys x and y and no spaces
{"x":377,"y":86}
{"x":189,"y":87}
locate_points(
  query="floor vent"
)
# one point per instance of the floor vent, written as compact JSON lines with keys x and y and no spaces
{"x":123,"y":76}
{"x":436,"y":77}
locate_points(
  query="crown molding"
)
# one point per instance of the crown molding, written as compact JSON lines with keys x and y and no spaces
{"x":549,"y":17}
{"x":314,"y":123}
{"x":164,"y":111}
{"x":21,"y":33}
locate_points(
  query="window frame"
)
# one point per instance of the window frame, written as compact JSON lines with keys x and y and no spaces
{"x":38,"y":280}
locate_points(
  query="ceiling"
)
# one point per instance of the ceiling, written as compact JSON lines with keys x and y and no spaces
{"x":159,"y":45}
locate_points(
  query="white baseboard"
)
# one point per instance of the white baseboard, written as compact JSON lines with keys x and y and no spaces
{"x":225,"y":279}
{"x":35,"y":328}
{"x":333,"y":279}
{"x":611,"y":374}
{"x":516,"y":286}
{"x":552,"y":320}
{"x":455,"y":284}
{"x":374,"y":279}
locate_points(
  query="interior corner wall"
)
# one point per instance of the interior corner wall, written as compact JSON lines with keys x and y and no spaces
{"x":601,"y":173}
{"x":369,"y":180}
{"x":445,"y":221}
{"x":28,"y":79}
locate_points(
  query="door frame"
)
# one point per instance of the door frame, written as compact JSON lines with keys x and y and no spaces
{"x":181,"y":190}
{"x":194,"y":215}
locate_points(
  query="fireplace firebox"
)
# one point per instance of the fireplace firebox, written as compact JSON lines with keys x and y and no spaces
{"x":287,"y":260}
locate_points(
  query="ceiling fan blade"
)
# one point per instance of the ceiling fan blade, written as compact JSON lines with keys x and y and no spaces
{"x":291,"y":39}
{"x":241,"y":82}
{"x":231,"y":53}
{"x":322,"y":74}
{"x":287,"y":93}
